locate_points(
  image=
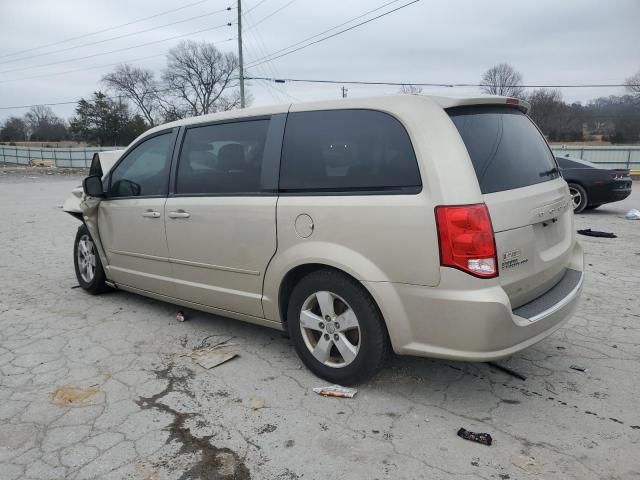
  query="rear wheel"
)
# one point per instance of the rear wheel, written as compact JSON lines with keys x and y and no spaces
{"x":89,"y":271}
{"x":578,"y":196}
{"x":336,"y":327}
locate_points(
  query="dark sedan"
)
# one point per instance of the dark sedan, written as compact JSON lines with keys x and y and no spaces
{"x":592,"y":185}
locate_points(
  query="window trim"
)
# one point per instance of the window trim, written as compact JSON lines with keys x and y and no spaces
{"x":172,"y":131}
{"x":354,"y":191}
{"x":270,"y":156}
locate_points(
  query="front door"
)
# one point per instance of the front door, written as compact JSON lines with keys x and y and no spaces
{"x":221,"y":217}
{"x":131,"y":217}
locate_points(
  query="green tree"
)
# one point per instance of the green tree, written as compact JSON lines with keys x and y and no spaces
{"x":105,"y":121}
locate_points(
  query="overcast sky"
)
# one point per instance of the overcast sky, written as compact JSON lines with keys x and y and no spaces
{"x":440,"y":41}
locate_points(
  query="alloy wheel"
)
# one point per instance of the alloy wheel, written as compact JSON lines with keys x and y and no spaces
{"x":330,"y":329}
{"x":86,"y":258}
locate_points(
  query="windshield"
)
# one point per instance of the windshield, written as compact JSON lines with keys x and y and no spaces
{"x":506,"y":148}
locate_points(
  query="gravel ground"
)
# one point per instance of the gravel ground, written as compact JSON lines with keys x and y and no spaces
{"x":104,"y":387}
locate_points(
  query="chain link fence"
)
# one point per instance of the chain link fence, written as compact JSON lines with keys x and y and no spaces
{"x":59,"y":157}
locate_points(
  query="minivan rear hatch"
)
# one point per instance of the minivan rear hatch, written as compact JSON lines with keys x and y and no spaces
{"x":527,"y":199}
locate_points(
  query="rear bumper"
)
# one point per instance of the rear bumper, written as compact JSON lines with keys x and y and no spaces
{"x":460,"y":321}
{"x":613,"y":191}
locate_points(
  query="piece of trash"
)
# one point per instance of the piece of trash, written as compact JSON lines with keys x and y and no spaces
{"x":595,"y":233}
{"x":75,"y":286}
{"x":211,"y":357}
{"x":511,"y":372}
{"x":483,"y":438}
{"x":633,"y":214}
{"x":256,"y":403}
{"x":180,"y":316}
{"x":528,"y":464}
{"x":578,"y":368}
{"x":336,"y":391}
{"x":69,"y":395}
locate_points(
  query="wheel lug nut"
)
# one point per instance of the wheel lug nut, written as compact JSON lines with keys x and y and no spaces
{"x":327,"y":318}
{"x":326,"y":336}
{"x":321,"y":325}
{"x":335,"y":336}
{"x":337,"y":325}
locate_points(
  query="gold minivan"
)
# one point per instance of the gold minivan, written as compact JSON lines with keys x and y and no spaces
{"x":433,"y":226}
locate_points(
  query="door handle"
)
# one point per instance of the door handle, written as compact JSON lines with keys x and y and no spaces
{"x":179,"y":214}
{"x":151,"y":214}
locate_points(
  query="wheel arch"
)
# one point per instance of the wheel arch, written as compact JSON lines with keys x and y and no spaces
{"x":295,"y":274}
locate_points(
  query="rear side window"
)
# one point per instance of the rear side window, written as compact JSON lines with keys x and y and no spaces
{"x":222,"y":158}
{"x":347,"y":150}
{"x":506,"y":149}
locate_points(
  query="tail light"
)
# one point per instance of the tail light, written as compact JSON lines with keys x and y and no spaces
{"x":466,"y":239}
{"x":616,"y":175}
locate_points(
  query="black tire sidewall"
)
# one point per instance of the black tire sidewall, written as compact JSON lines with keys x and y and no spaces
{"x":98,"y":284}
{"x":584,"y":200}
{"x":374,"y":341}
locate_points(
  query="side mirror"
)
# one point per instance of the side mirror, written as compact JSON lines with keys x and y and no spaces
{"x":92,"y":186}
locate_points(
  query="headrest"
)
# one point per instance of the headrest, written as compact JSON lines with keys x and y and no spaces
{"x":231,"y":157}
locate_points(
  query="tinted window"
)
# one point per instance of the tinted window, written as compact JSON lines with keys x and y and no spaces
{"x":506,"y":148}
{"x":145,"y":170}
{"x":222,"y":158}
{"x":343,"y":150}
{"x":564,"y":162}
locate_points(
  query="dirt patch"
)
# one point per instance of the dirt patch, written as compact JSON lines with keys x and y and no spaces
{"x":69,"y":396}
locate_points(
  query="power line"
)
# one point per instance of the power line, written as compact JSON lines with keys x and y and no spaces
{"x":448,"y":84}
{"x":118,"y":50}
{"x":197,"y":17}
{"x":273,"y":13}
{"x":254,"y":7}
{"x":95,"y":67}
{"x":274,"y":55}
{"x":105,"y":29}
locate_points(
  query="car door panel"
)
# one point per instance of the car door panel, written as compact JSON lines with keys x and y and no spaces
{"x":131,"y":220}
{"x":221,"y":214}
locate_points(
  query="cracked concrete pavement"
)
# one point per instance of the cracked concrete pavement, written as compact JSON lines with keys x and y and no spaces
{"x":103,"y":387}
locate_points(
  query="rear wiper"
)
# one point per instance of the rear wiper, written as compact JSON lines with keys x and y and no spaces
{"x":549,"y":172}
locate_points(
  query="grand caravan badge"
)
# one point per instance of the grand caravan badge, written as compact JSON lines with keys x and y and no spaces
{"x":512,"y":259}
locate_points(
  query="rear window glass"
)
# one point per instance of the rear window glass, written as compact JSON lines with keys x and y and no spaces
{"x":347,"y":150}
{"x":506,"y":149}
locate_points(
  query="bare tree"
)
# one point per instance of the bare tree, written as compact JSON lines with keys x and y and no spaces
{"x":410,"y":89}
{"x":43,"y":124}
{"x":633,"y":83}
{"x":546,"y":108}
{"x":502,"y":79}
{"x":139,"y":86}
{"x":200,"y":79}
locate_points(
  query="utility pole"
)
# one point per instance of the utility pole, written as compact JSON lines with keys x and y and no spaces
{"x":344,"y":91}
{"x":240,"y":53}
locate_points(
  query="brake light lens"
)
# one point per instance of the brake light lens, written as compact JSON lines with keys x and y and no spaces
{"x":466,"y":239}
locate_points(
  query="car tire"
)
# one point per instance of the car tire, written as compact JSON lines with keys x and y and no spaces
{"x":593,"y":207}
{"x":345,"y":354}
{"x":578,"y":197}
{"x":88,"y":267}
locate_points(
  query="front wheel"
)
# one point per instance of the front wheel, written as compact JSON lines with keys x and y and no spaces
{"x":578,"y":197}
{"x":336,"y":327}
{"x":89,"y":271}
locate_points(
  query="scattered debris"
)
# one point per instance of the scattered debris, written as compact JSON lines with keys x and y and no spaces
{"x":68,"y":395}
{"x":508,"y":370}
{"x":578,"y":368}
{"x":483,"y":438}
{"x":180,"y":316}
{"x":633,"y":214}
{"x":336,"y":391}
{"x":595,"y":233}
{"x":75,"y":286}
{"x":211,"y":357}
{"x":528,"y":464}
{"x":256,"y":403}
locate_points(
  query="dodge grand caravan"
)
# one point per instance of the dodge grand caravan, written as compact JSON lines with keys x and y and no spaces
{"x":432,"y":226}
